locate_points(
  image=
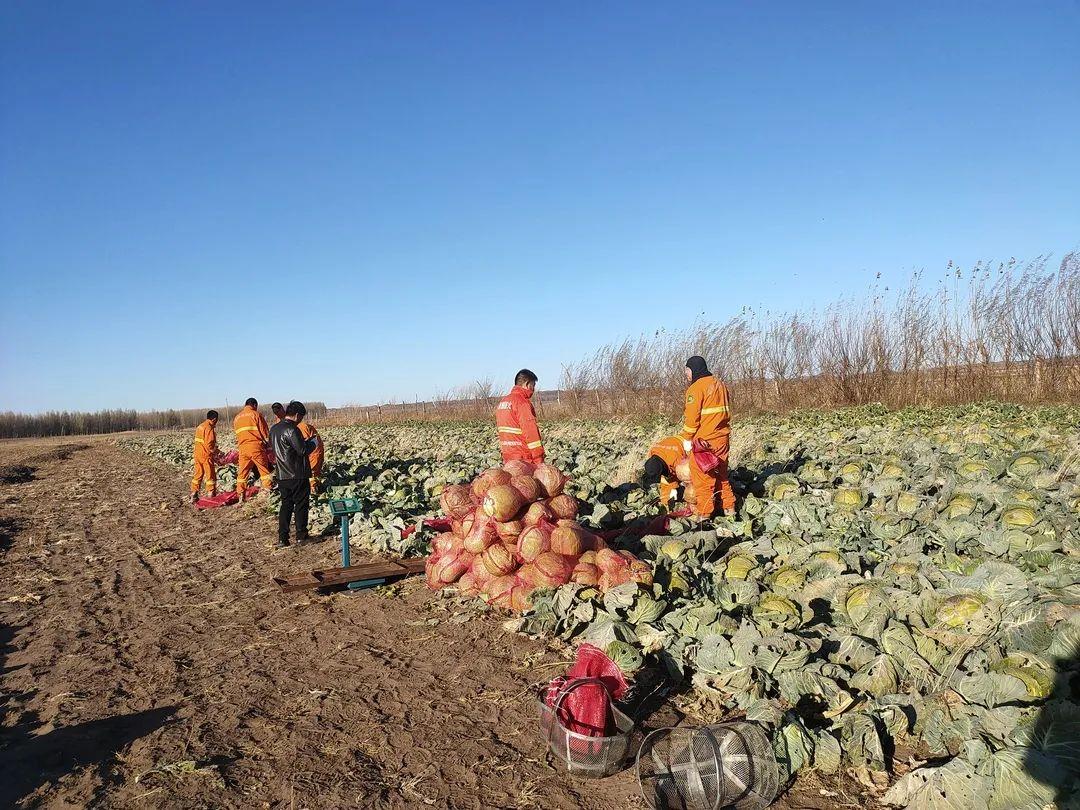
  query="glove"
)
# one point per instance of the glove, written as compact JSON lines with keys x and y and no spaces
{"x":687,"y":446}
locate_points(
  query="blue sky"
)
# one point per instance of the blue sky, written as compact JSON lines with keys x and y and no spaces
{"x":361,"y":201}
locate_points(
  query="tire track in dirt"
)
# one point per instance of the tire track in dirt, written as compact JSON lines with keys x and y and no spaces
{"x":279,"y":701}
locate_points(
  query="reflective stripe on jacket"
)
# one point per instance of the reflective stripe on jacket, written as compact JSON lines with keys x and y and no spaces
{"x":515,"y":421}
{"x":708,"y":411}
{"x":250,"y":427}
{"x":205,"y":441}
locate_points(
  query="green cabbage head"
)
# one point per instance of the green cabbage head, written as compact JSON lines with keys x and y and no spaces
{"x":626,"y":656}
{"x":959,"y":609}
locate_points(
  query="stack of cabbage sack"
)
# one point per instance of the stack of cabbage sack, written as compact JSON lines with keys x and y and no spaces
{"x":514,"y":530}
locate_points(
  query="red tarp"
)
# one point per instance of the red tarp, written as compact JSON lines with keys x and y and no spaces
{"x":224,"y":499}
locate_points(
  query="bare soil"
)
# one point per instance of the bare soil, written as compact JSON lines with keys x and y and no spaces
{"x":147,"y":660}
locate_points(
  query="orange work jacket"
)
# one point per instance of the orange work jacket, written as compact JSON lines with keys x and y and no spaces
{"x":206,"y":441}
{"x":707,"y":415}
{"x":315,"y":457}
{"x":250,"y":428}
{"x":515,"y":420}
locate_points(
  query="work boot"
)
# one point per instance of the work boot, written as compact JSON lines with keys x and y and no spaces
{"x":283,"y":543}
{"x":194,"y":498}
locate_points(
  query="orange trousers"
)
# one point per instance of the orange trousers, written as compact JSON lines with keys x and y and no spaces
{"x":204,"y":471}
{"x":708,"y":485}
{"x":248,"y":460}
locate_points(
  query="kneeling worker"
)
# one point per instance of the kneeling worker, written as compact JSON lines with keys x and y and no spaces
{"x":667,"y":465}
{"x":252,"y":436}
{"x":206,"y":450}
{"x":291,"y":453}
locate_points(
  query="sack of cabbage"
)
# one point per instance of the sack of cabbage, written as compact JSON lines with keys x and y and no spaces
{"x":514,"y":530}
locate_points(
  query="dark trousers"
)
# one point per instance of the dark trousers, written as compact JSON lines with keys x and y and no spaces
{"x":295,"y":497}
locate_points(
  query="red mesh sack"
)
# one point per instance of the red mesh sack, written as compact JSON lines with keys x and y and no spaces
{"x":583,"y":695}
{"x":704,"y":457}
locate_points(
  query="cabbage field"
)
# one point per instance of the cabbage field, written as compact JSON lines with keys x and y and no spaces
{"x":898,"y":596}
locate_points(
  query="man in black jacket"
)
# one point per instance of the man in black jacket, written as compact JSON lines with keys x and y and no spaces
{"x":293,"y":472}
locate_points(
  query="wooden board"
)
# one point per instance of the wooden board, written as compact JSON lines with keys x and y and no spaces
{"x":335,"y":577}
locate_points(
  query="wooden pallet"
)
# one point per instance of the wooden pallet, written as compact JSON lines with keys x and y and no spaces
{"x":341,"y":577}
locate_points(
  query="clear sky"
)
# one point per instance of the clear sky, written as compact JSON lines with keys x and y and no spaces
{"x":358,"y":201}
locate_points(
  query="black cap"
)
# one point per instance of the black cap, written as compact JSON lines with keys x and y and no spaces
{"x":698,"y":367}
{"x":655,"y":467}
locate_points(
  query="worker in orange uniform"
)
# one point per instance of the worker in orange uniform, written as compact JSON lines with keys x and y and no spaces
{"x":515,"y":420}
{"x":707,"y":419}
{"x":315,"y":457}
{"x":279,"y":412}
{"x":252,"y":436}
{"x":206,"y":451}
{"x":664,"y":457}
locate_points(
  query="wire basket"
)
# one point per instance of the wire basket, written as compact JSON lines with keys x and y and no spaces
{"x":586,"y":756}
{"x":724,"y":765}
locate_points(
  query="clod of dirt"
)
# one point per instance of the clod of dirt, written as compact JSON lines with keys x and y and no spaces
{"x":16,"y":474}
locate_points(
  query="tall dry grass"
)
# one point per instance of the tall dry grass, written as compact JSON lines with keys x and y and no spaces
{"x":1008,"y":331}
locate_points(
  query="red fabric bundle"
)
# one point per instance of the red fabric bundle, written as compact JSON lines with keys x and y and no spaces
{"x":225,"y":459}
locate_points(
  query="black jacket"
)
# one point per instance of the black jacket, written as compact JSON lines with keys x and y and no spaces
{"x":290,"y":451}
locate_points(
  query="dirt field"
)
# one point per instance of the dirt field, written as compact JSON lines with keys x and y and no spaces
{"x":147,"y":660}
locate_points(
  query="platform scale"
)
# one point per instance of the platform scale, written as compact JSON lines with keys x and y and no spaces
{"x":349,"y":577}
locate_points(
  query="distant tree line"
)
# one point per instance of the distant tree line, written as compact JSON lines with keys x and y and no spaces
{"x":75,"y":423}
